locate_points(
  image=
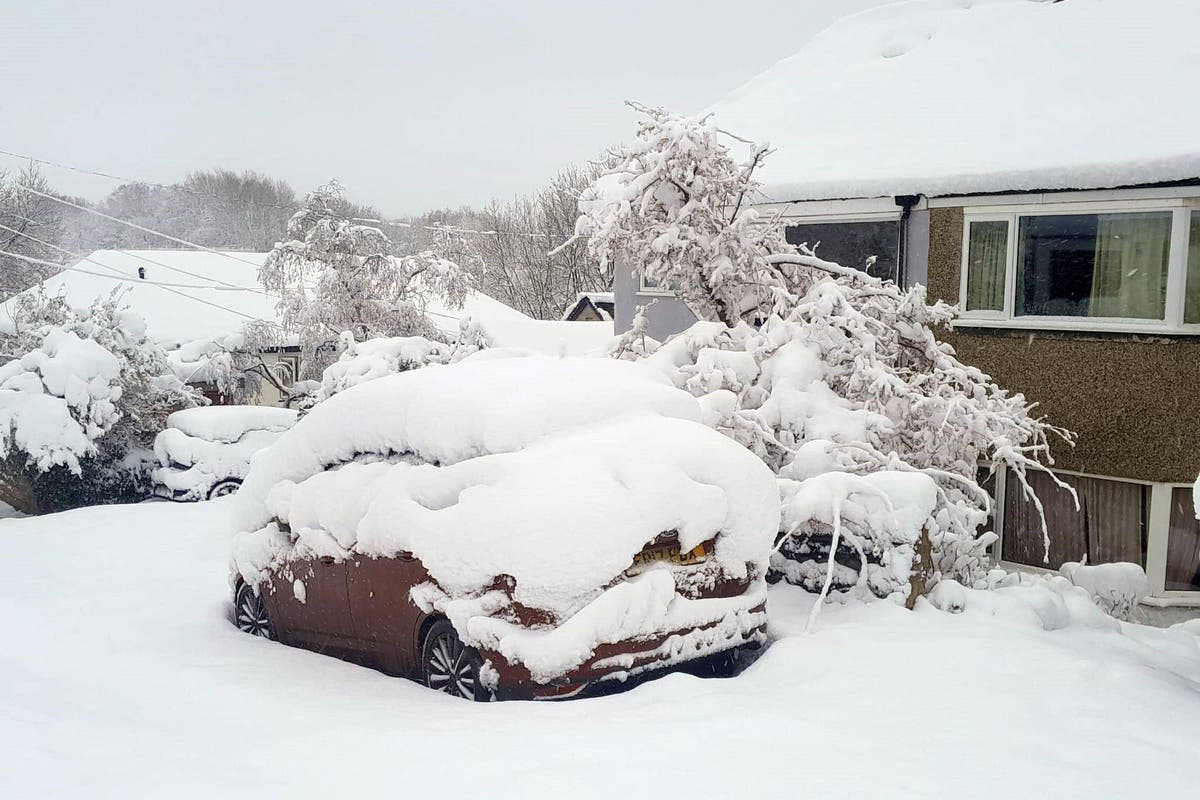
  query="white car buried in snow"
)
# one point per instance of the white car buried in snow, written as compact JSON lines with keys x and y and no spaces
{"x":519,"y":527}
{"x":205,"y":452}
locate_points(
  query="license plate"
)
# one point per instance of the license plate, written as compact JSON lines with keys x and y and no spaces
{"x":671,"y":555}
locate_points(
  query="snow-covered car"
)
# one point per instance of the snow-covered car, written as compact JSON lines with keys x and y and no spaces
{"x":205,"y":452}
{"x":519,"y":527}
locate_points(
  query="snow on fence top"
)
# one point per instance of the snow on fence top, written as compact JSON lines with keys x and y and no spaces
{"x":563,"y":517}
{"x":942,"y":97}
{"x":447,"y":414}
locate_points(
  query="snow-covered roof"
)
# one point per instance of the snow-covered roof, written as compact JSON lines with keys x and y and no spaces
{"x":941,"y":97}
{"x":481,"y":308}
{"x":192,"y":295}
{"x":601,"y":302}
{"x":220,"y":295}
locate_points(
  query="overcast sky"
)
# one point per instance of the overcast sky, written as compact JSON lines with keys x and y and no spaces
{"x":413,"y":106}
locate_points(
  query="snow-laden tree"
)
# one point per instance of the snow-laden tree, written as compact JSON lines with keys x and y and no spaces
{"x":81,"y":392}
{"x":334,"y":275}
{"x":817,"y":368}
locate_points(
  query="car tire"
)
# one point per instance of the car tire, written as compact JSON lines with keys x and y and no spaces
{"x":726,"y":664}
{"x":250,"y":612}
{"x":448,"y":665}
{"x":222,"y":488}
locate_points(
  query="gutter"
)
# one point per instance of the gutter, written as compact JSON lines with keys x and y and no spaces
{"x":906,"y":202}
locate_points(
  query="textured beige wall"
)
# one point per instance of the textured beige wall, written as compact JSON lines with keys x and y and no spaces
{"x":1134,"y":401}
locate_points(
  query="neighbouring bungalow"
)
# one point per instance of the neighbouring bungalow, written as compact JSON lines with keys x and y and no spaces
{"x":591,"y":307}
{"x":197,"y":303}
{"x":1036,"y":163}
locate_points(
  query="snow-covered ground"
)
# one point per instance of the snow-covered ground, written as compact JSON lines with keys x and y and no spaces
{"x":120,"y":677}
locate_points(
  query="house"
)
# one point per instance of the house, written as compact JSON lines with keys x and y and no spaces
{"x":196,"y":303}
{"x":1037,"y":164}
{"x":590,"y":307}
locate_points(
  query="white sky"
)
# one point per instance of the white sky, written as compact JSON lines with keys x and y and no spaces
{"x":413,"y":106}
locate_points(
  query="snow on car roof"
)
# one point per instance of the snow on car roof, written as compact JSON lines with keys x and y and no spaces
{"x":942,"y":97}
{"x":563,"y":517}
{"x":552,"y":337}
{"x":447,"y":414}
{"x":229,"y":423}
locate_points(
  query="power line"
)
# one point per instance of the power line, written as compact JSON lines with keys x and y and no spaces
{"x":148,"y":260}
{"x":134,"y":225}
{"x":370,"y":220}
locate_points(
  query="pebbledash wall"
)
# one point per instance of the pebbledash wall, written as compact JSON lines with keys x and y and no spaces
{"x":1134,"y":400}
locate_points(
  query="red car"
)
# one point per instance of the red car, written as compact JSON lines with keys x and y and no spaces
{"x":594,"y":553}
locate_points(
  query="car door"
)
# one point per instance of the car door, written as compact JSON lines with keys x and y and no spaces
{"x":384,"y":614}
{"x":310,"y":605}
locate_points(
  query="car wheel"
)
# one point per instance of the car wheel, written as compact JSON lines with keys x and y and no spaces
{"x":725,"y":664}
{"x":450,"y":666}
{"x":223,"y":488}
{"x":250,"y":612}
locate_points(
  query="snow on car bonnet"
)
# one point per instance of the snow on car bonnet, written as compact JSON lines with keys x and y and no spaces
{"x":446,"y":414}
{"x":563,"y":517}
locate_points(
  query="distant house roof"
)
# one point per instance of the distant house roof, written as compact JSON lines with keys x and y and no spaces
{"x":943,"y":97}
{"x":591,"y":307}
{"x":187,"y":296}
{"x":216,"y":299}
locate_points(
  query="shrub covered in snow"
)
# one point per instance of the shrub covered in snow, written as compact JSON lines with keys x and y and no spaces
{"x":82,"y":392}
{"x":815,"y":367}
{"x":1117,"y":588}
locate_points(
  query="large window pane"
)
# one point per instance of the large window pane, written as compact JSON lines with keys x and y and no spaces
{"x":987,"y":256}
{"x":853,"y":244}
{"x":1094,"y":265}
{"x":1183,"y":544}
{"x":1191,"y":291}
{"x":1110,"y":524}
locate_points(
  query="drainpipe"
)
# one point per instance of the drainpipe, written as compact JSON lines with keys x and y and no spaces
{"x":906,"y":203}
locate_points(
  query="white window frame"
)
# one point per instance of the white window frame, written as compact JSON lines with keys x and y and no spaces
{"x":651,"y":291}
{"x":1172,"y":323}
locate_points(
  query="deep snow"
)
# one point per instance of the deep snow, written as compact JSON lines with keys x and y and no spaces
{"x":120,"y":677}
